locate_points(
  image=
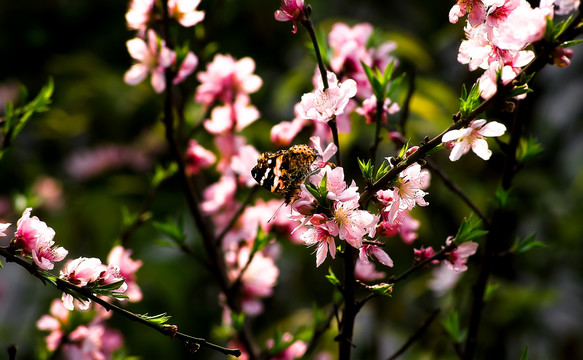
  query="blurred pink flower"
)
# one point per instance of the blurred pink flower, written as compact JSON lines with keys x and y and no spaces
{"x":89,"y":163}
{"x":282,"y":134}
{"x":139,"y":14}
{"x":120,"y":257}
{"x":322,"y":105}
{"x":197,"y":157}
{"x":475,"y":10}
{"x":152,"y":57}
{"x":366,"y":271}
{"x":187,"y":66}
{"x":225,"y":79}
{"x":368,"y":250}
{"x":184,"y":11}
{"x":56,"y":323}
{"x":242,"y":163}
{"x":473,"y":137}
{"x":93,"y":342}
{"x":368,"y":109}
{"x":3,"y":228}
{"x":295,"y":350}
{"x":219,"y":194}
{"x":50,"y":192}
{"x":238,"y":114}
{"x":291,"y":10}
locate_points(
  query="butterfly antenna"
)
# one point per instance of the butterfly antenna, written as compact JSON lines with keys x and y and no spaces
{"x":276,"y":211}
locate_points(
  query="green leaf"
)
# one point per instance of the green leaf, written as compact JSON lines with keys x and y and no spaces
{"x":105,"y":289}
{"x":366,"y":169}
{"x":452,"y":325}
{"x":331,"y":277}
{"x":381,"y":289}
{"x":527,"y":244}
{"x":470,"y":229}
{"x":469,"y":101}
{"x":524,"y":355}
{"x":156,"y":319}
{"x":503,"y":197}
{"x":383,"y":169}
{"x":237,"y":320}
{"x":174,"y":231}
{"x":491,"y":290}
{"x":518,"y":90}
{"x":161,"y":174}
{"x":528,"y":149}
{"x":261,"y":241}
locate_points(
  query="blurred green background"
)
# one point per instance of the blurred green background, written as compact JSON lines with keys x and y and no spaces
{"x":81,"y":45}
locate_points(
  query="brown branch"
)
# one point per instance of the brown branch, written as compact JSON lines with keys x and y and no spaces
{"x":66,"y":286}
{"x":416,"y":335}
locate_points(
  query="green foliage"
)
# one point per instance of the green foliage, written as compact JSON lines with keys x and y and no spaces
{"x":366,"y":169}
{"x":527,"y":244}
{"x":237,"y":320}
{"x":173,"y":230}
{"x":469,"y":101}
{"x":382,"y":86}
{"x":261,"y":241}
{"x":383,"y":289}
{"x":159,"y":319}
{"x":503,"y":197}
{"x":518,"y":90}
{"x":161,"y":174}
{"x":16,"y":118}
{"x":452,"y":325}
{"x":527,"y":149}
{"x":524,"y":355}
{"x":331,"y":277}
{"x":470,"y":229}
{"x":491,"y":290}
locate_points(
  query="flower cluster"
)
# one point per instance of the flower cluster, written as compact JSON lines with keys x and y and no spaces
{"x":330,"y":211}
{"x":493,"y":42}
{"x":350,"y":48}
{"x":151,"y":53}
{"x":78,"y":341}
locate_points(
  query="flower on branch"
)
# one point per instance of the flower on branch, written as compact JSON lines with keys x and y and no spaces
{"x":120,"y":257}
{"x":323,"y":104}
{"x":197,"y":157}
{"x":34,"y":238}
{"x":3,"y":228}
{"x":225,"y":79}
{"x":321,"y":236}
{"x":184,"y":11}
{"x":151,"y":57}
{"x":462,"y":140}
{"x":88,"y":272}
{"x":291,"y":10}
{"x":458,"y":257}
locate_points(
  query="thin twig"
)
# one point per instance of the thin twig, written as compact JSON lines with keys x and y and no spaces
{"x":64,"y":286}
{"x":416,"y":335}
{"x":458,"y":191}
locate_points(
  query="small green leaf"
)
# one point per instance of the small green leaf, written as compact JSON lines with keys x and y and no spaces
{"x":469,"y":101}
{"x":528,"y":149}
{"x":381,"y":289}
{"x":332,"y":278}
{"x":452,"y":325}
{"x":383,"y":169}
{"x":366,"y":169}
{"x":261,"y":241}
{"x":503,"y":197}
{"x":491,"y":290}
{"x":174,"y":231}
{"x":156,"y":319}
{"x":237,"y":320}
{"x":161,"y":174}
{"x":527,"y":244}
{"x":524,"y":355}
{"x":470,"y":229}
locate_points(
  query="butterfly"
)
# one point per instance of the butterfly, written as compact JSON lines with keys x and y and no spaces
{"x":283,"y":172}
